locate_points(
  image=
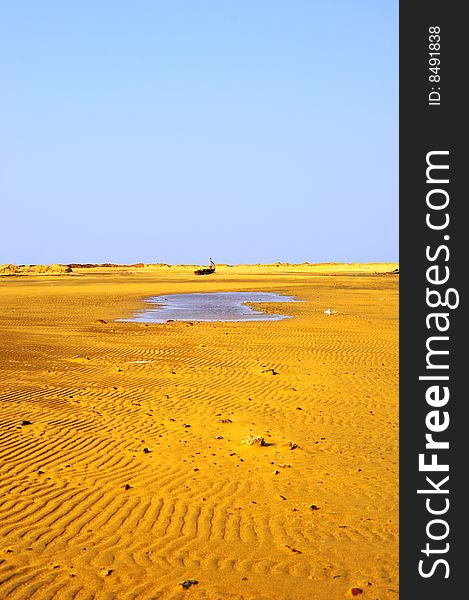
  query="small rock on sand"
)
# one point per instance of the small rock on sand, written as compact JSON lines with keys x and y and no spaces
{"x":186,"y":584}
{"x":254,"y":440}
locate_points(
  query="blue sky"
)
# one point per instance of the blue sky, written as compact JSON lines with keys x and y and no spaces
{"x":174,"y":130}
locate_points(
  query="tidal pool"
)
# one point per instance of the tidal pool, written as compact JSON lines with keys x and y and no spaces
{"x":219,"y":306}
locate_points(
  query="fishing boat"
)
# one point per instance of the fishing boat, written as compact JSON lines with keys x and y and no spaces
{"x":206,"y":270}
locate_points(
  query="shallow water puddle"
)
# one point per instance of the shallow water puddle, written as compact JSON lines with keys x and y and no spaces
{"x":215,"y":306}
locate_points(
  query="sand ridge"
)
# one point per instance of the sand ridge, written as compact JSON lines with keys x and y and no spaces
{"x":123,"y":471}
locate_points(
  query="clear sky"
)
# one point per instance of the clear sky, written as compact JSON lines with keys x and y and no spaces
{"x":175,"y":130}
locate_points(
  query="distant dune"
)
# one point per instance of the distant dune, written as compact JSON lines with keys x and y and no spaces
{"x":10,"y":269}
{"x":328,"y":268}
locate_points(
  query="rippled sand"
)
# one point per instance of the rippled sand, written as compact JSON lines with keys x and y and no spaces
{"x":122,"y":467}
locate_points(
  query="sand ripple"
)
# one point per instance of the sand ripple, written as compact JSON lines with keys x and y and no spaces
{"x":131,"y":477}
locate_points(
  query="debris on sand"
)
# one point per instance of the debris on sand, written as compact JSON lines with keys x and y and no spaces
{"x":147,"y":450}
{"x":291,"y":445}
{"x":313,"y":507}
{"x":254,"y":440}
{"x":356,"y":591}
{"x":106,"y":572}
{"x":25,"y":422}
{"x":330,"y":311}
{"x":293,"y":549}
{"x":226,"y":421}
{"x":186,"y":584}
{"x":127,"y":486}
{"x":272,"y":371}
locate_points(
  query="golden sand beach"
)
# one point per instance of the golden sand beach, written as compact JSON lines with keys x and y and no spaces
{"x":123,"y":472}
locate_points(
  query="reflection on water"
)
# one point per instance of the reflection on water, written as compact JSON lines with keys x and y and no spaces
{"x":221,"y":306}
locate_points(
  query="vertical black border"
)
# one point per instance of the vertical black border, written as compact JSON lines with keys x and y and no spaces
{"x":424,"y":128}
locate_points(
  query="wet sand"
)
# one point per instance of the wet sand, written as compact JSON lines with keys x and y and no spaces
{"x":122,"y":467}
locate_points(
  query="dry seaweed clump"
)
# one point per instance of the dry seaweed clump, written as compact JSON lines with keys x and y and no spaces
{"x":254,"y":440}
